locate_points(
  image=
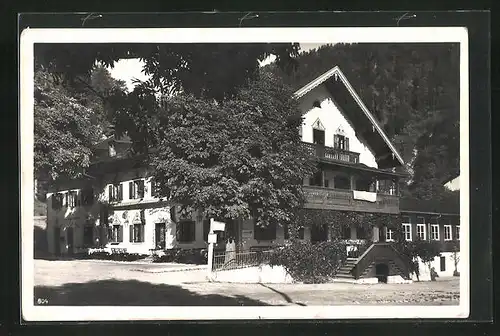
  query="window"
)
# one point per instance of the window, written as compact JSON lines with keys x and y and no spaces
{"x":447,"y":232}
{"x":316,"y":179}
{"x":72,"y":199}
{"x":137,"y":233}
{"x":87,"y":196}
{"x":319,"y":233}
{"x":136,"y":189}
{"x":341,"y":142}
{"x":346,"y":232}
{"x":421,"y":234}
{"x":57,"y":200}
{"x":361,"y":233}
{"x":318,"y":137}
{"x":457,"y":232}
{"x":442,"y":262}
{"x":387,"y":187}
{"x":406,"y":228}
{"x":185,"y":231}
{"x":115,"y":192}
{"x":264,"y":233}
{"x":341,"y":182}
{"x":435,"y":232}
{"x":389,"y":234}
{"x":115,"y":234}
{"x":88,"y":235}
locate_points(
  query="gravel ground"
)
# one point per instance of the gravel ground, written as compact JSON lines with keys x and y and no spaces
{"x":120,"y":283}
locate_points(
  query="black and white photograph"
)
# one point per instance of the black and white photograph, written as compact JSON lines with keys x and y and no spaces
{"x":248,"y":173}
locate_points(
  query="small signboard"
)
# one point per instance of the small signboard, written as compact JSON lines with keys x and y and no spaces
{"x":217,"y":226}
{"x":212,"y":238}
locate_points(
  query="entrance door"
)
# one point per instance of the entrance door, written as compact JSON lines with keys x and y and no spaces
{"x":160,"y":229}
{"x":57,"y":241}
{"x":69,"y":238}
{"x":382,"y":272}
{"x":381,"y":234}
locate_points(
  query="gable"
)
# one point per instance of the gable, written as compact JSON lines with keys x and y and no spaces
{"x":319,"y":108}
{"x":335,"y":85}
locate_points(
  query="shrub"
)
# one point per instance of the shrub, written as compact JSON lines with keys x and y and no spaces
{"x":116,"y":256}
{"x":310,"y":263}
{"x":190,"y":256}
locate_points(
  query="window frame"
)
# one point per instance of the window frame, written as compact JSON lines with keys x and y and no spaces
{"x":457,"y":232}
{"x":115,"y":192}
{"x":435,"y":234}
{"x":405,"y":231}
{"x":424,"y":226}
{"x":134,"y":237}
{"x":341,"y":142}
{"x":136,"y":189}
{"x":119,"y":233}
{"x":447,"y":226}
{"x":389,"y":234}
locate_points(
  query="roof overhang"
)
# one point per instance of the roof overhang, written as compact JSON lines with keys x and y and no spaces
{"x":364,"y":123}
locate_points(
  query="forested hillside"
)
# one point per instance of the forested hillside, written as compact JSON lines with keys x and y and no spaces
{"x":413,"y":90}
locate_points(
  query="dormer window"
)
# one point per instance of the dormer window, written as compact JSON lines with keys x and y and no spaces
{"x":340,"y":140}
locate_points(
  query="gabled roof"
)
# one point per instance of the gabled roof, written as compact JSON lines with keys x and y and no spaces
{"x":386,"y":154}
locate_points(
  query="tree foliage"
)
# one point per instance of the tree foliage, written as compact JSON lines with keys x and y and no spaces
{"x":412,"y":89}
{"x":237,"y":158}
{"x":212,"y":70}
{"x":68,"y":122}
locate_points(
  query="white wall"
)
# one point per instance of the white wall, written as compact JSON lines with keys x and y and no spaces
{"x":331,"y":118}
{"x":262,"y":274}
{"x":449,"y":267}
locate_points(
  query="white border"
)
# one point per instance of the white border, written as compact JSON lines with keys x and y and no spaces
{"x":30,"y":312}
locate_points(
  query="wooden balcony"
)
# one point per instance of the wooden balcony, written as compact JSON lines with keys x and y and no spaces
{"x":331,"y":153}
{"x":338,"y":199}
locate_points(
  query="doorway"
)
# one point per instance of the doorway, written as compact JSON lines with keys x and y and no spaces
{"x":57,"y":241}
{"x":160,"y":229}
{"x":69,"y":238}
{"x":382,"y":272}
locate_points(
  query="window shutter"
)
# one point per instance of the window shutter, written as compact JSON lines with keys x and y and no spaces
{"x":142,"y":232}
{"x":120,"y":233}
{"x":140,"y":188}
{"x":346,"y":143}
{"x":178,"y":231}
{"x":131,"y":190}
{"x":336,"y":141}
{"x":131,"y":233}
{"x":206,"y":229}
{"x":193,"y":231}
{"x":110,"y":193}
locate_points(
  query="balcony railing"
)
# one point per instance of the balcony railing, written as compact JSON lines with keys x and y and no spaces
{"x":338,"y":199}
{"x":331,"y":153}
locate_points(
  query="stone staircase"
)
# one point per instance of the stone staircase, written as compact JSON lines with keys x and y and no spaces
{"x":345,"y":271}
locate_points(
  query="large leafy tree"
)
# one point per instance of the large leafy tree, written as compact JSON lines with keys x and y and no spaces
{"x":237,"y":158}
{"x":68,"y":122}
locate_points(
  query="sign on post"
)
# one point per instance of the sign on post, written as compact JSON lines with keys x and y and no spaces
{"x":217,"y":226}
{"x":212,"y":238}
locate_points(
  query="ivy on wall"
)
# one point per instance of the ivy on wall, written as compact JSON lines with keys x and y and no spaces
{"x":337,"y":221}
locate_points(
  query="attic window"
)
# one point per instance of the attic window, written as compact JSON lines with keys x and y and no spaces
{"x":317,"y":104}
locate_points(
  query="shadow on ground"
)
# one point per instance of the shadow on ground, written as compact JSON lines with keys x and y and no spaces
{"x":133,"y":293}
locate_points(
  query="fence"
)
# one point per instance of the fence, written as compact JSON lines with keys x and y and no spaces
{"x":234,"y":260}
